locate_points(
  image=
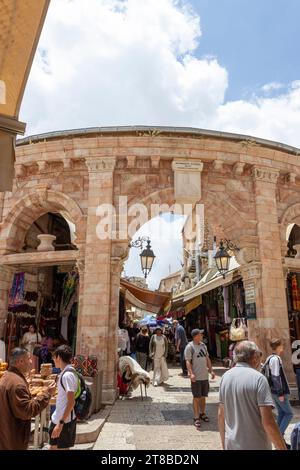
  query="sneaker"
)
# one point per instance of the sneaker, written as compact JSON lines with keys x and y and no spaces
{"x":155,"y":384}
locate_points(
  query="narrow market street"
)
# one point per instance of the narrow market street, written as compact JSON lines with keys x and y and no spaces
{"x":164,"y":420}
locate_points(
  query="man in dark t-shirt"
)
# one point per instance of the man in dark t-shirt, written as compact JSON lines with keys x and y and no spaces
{"x":180,"y":343}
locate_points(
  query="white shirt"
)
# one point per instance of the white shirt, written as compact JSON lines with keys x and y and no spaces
{"x":70,"y":382}
{"x":30,"y":340}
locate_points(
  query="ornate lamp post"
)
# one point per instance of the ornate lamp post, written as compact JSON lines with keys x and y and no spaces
{"x":222,"y":257}
{"x":147,"y":256}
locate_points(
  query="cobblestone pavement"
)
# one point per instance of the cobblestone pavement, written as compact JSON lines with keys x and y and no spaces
{"x":164,"y":420}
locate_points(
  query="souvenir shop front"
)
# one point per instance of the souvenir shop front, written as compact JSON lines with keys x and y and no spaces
{"x":220,"y":311}
{"x":293,"y":301}
{"x":46,"y":297}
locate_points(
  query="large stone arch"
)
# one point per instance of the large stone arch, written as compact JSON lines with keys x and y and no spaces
{"x":291,"y":215}
{"x":29,"y":208}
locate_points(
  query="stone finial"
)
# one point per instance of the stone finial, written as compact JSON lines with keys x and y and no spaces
{"x":99,"y":164}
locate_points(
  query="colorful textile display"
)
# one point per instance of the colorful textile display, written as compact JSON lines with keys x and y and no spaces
{"x":295,"y":293}
{"x":86,"y":365}
{"x":16,"y":295}
{"x":69,"y":295}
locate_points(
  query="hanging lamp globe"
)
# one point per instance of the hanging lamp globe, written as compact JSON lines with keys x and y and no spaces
{"x":147,"y":259}
{"x":222,"y":259}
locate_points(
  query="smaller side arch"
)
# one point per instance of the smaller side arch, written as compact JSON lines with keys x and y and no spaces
{"x":29,"y":208}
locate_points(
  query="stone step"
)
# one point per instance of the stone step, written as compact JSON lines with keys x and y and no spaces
{"x":89,"y":431}
{"x":87,"y":446}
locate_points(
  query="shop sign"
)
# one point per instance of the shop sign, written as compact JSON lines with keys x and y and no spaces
{"x":251,"y":311}
{"x":250,"y":293}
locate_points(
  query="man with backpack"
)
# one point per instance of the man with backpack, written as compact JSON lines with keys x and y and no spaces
{"x":274,"y":372}
{"x":62,"y":429}
{"x":198,"y":365}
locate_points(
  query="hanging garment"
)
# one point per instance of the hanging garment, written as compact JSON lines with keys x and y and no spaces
{"x":69,"y":295}
{"x":227,"y":318}
{"x":16,"y":295}
{"x":295,"y":293}
{"x":64,"y":328}
{"x":238,"y":299}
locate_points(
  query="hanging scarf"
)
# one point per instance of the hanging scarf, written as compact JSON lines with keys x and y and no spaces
{"x":16,"y":295}
{"x":69,"y":291}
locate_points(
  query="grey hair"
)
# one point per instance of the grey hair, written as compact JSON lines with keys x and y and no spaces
{"x":16,"y":354}
{"x":245,"y":351}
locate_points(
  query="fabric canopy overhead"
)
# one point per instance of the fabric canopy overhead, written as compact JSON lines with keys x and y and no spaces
{"x":148,"y":300}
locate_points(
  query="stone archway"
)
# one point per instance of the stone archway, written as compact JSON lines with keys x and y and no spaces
{"x":30,"y":208}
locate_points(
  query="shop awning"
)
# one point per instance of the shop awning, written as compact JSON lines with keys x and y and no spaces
{"x":151,"y":301}
{"x":211,"y":280}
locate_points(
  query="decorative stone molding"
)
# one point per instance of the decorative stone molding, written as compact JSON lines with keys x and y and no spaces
{"x":155,"y":161}
{"x":291,"y":178}
{"x":248,"y":143}
{"x":98,"y":164}
{"x":268,"y":175}
{"x":251,"y":271}
{"x":42,"y":166}
{"x":120,"y":250}
{"x":238,"y":168}
{"x":80,"y":266}
{"x":20,"y":170}
{"x":290,"y":214}
{"x":131,"y":161}
{"x":218,"y":165}
{"x":247,"y":255}
{"x":67,"y":164}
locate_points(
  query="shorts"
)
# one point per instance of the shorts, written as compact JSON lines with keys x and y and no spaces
{"x":200,"y":388}
{"x":67,"y":437}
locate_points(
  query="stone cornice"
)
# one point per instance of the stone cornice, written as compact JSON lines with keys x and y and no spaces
{"x":268,"y":175}
{"x":98,"y":164}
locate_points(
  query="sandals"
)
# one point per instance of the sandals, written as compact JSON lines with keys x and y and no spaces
{"x":197,"y":423}
{"x":204,"y":417}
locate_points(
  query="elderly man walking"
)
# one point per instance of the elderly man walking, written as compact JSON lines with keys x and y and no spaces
{"x":17,"y":406}
{"x":246,"y":421}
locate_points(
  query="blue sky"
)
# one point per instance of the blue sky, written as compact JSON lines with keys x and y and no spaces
{"x":256,"y":40}
{"x":228,"y":65}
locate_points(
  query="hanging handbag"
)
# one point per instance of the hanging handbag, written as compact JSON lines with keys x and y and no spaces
{"x":237,"y":331}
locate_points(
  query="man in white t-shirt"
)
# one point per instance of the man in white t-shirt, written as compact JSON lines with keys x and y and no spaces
{"x":62,"y":428}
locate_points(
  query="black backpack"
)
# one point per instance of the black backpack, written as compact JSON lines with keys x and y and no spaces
{"x":265,"y":370}
{"x":83,"y":396}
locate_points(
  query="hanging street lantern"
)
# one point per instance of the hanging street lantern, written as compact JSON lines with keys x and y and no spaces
{"x":222,"y":259}
{"x":147,"y":256}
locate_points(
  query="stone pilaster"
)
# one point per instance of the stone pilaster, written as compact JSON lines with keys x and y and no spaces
{"x":271,"y":296}
{"x":93,"y":331}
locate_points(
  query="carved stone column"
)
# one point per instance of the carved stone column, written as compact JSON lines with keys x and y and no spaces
{"x":272,"y":316}
{"x":118,"y":256}
{"x":93,"y":331}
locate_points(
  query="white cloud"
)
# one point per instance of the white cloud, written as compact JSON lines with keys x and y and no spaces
{"x":121,"y":62}
{"x":130,"y":62}
{"x":273,"y":86}
{"x":276,"y":118}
